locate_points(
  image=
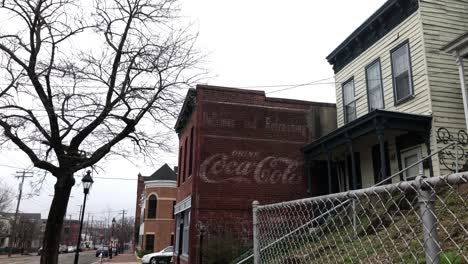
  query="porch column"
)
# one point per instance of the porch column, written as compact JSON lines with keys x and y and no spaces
{"x":329,"y":168}
{"x":353,"y":164}
{"x":461,"y":69}
{"x":383,"y":168}
{"x":307,"y":166}
{"x":427,"y":142}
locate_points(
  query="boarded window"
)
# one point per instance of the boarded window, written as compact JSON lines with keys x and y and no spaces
{"x":374,"y":86}
{"x":152,"y":206}
{"x":403,"y":87}
{"x":349,"y":103}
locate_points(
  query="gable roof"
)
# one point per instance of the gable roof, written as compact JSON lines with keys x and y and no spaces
{"x":163,"y":173}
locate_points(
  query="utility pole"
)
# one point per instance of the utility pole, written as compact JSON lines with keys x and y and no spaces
{"x":92,"y":231}
{"x":79,"y":214}
{"x":121,"y":232}
{"x":23,"y":175}
{"x":86,"y":230}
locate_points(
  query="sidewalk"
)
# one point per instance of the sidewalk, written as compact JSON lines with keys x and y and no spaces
{"x":127,"y":258}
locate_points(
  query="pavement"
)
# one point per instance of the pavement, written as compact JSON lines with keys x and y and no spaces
{"x":126,"y":258}
{"x":86,"y":257}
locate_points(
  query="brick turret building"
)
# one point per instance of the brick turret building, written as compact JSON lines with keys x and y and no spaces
{"x":237,"y":146}
{"x":154,"y":216}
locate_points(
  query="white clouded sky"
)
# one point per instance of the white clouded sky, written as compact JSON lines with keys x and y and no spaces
{"x":249,"y":43}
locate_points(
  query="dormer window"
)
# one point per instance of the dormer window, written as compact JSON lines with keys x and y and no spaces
{"x":374,"y":86}
{"x":349,"y":101}
{"x":401,"y":73}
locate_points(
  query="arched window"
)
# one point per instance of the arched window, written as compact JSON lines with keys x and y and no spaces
{"x":152,"y":205}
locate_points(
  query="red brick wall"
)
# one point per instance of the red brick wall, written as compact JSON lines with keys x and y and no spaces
{"x":70,"y":238}
{"x":248,"y":148}
{"x":163,"y":226}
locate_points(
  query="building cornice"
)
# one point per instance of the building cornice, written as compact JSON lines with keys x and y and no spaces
{"x":384,"y":20}
{"x":160,"y":184}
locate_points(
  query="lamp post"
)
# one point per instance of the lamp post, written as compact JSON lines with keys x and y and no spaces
{"x":112,"y":238}
{"x":87,"y":183}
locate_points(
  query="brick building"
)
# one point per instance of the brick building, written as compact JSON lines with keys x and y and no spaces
{"x":154,"y":216}
{"x":70,"y":231}
{"x":237,"y":146}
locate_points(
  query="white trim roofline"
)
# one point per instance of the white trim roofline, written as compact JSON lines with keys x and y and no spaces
{"x":160,"y":183}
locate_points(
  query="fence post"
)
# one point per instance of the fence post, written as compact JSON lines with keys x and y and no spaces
{"x":426,"y":198}
{"x":354,"y":217}
{"x":256,"y":245}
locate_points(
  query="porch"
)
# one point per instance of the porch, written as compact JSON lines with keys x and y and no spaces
{"x":367,"y":151}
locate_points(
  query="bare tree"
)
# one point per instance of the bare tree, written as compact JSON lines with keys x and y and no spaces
{"x":6,"y":197}
{"x":80,"y":80}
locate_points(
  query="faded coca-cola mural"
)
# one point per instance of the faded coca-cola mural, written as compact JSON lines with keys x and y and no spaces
{"x":245,"y":166}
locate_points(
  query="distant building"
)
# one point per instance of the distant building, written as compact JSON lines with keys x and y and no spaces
{"x":154,"y":216}
{"x":70,"y":231}
{"x":28,"y":234}
{"x":236,"y":146}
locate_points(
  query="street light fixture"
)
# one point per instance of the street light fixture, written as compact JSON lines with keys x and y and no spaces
{"x":112,"y":238}
{"x":87,"y":183}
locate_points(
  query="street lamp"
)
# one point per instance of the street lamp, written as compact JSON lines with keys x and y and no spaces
{"x":87,"y":183}
{"x":112,"y":238}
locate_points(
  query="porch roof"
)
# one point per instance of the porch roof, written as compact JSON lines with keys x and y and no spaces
{"x":377,"y":119}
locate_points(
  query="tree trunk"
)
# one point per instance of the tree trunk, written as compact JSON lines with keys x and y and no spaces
{"x":58,"y":209}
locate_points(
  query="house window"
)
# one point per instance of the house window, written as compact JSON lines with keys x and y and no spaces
{"x":179,"y":174}
{"x":349,"y":102}
{"x":409,"y":157}
{"x":401,"y":73}
{"x":374,"y":86}
{"x":149,"y":243}
{"x":191,"y":153}
{"x":152,"y":206}
{"x":173,"y":209}
{"x":185,"y":160}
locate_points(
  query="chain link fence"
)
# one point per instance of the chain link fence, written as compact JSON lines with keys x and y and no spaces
{"x":419,"y":221}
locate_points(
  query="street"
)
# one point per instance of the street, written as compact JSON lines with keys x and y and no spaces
{"x":87,"y":257}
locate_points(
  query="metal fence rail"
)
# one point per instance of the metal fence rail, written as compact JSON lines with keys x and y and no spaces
{"x":419,"y":221}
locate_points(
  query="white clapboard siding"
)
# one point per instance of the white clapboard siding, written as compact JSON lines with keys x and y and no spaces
{"x":442,"y":22}
{"x":410,"y":29}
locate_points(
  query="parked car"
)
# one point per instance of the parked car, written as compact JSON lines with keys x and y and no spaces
{"x":63,"y":249}
{"x":162,"y":257}
{"x":71,"y":249}
{"x":104,"y":251}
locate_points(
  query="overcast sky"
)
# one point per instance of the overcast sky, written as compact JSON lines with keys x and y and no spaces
{"x":250,"y":44}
